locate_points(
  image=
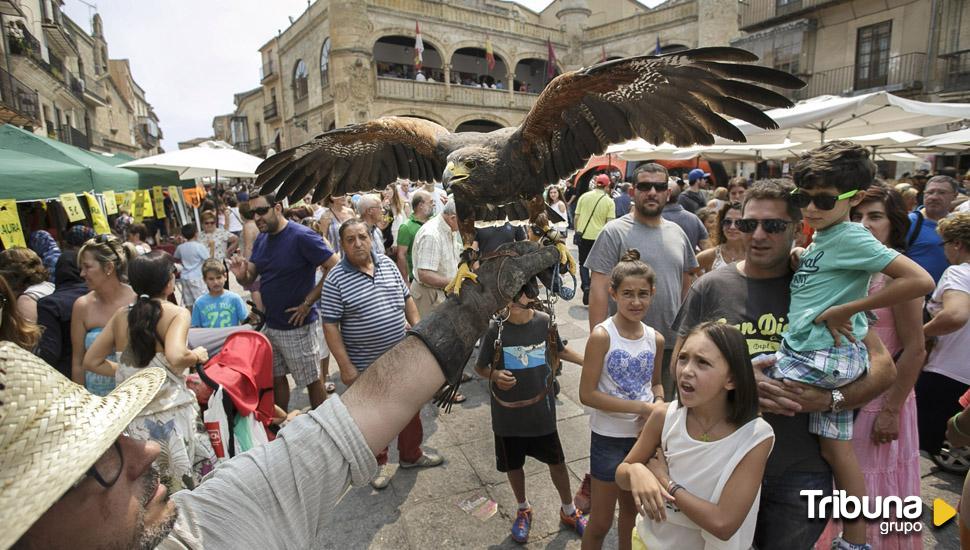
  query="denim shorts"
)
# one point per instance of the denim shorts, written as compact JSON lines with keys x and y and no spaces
{"x":606,"y":453}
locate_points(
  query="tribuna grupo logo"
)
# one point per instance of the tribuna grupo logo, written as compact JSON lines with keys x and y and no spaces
{"x":896,"y":514}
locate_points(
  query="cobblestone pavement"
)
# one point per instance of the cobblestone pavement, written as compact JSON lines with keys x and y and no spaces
{"x":419,"y":509}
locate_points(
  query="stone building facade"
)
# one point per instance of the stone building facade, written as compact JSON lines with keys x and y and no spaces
{"x":347,"y":61}
{"x":56,"y":79}
{"x":913,"y":48}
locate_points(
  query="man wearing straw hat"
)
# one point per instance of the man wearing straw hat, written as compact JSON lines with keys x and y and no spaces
{"x":70,"y":477}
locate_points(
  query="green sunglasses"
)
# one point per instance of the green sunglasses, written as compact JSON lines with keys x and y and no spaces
{"x":822,"y":202}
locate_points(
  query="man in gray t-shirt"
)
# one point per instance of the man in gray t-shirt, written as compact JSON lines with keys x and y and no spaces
{"x":662,"y":244}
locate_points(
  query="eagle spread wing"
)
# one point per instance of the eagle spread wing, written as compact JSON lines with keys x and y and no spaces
{"x":672,"y":98}
{"x":358,"y":158}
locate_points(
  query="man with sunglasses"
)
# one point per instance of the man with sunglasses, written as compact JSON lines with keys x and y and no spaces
{"x":285,"y":257}
{"x":661,"y":243}
{"x":754,"y":295}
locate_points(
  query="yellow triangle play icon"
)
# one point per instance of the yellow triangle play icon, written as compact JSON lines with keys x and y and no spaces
{"x":942,"y":512}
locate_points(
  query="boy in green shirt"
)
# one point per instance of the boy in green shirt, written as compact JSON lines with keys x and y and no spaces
{"x":829,"y":298}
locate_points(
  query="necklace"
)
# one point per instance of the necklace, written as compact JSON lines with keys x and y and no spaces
{"x":706,"y":435}
{"x":730,"y":258}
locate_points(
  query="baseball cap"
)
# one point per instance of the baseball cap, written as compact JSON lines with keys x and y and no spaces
{"x":601,"y":180}
{"x":697,"y":174}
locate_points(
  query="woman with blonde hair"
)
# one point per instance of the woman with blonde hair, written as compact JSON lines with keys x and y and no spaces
{"x":28,"y":278}
{"x":103,"y":262}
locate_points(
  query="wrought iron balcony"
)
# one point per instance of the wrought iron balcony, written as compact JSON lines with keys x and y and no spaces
{"x":73,"y":136}
{"x":18,"y":102}
{"x":759,"y":14}
{"x":269,"y":111}
{"x":957,"y":71}
{"x":267,"y":72}
{"x":903,"y":72}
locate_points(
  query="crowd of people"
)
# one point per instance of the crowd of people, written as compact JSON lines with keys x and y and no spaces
{"x":733,"y":332}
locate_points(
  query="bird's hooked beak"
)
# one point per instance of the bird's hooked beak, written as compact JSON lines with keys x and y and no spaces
{"x":453,"y":174}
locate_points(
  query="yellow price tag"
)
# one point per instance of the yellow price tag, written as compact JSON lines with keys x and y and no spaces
{"x":128,"y":202}
{"x":10,"y":231}
{"x":159,"y":197}
{"x":110,"y":206}
{"x":73,"y":207}
{"x":101,"y":226}
{"x":138,"y":206}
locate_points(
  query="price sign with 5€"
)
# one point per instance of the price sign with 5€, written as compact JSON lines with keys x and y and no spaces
{"x":72,"y":206}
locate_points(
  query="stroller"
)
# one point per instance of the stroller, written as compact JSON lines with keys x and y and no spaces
{"x":235,"y":388}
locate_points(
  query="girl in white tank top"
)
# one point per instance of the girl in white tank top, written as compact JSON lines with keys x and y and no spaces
{"x":618,"y":386}
{"x":704,"y":491}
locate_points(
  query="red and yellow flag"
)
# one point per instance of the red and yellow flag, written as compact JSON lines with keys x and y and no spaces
{"x":418,"y":47}
{"x":489,"y":54}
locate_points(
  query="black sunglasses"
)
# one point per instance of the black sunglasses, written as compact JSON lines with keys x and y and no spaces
{"x":748,"y":225}
{"x":729,"y":222}
{"x":822,"y":202}
{"x":262,"y":210}
{"x":656,"y":186}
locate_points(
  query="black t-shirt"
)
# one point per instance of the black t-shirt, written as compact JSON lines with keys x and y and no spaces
{"x":490,"y":238}
{"x":524,"y":353}
{"x":759,"y":308}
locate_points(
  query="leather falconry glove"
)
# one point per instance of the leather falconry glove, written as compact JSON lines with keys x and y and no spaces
{"x":451,"y":331}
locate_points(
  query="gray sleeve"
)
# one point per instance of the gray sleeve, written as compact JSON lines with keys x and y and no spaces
{"x":690,"y":311}
{"x":278,"y":495}
{"x":690,"y":259}
{"x":605,"y":253}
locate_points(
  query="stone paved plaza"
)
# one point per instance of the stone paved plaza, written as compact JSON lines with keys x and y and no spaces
{"x":419,"y":509}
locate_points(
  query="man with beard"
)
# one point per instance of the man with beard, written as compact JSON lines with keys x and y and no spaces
{"x":662,"y":244}
{"x":70,"y":478}
{"x":285,"y":257}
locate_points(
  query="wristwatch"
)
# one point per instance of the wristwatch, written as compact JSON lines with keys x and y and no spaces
{"x":838,"y":400}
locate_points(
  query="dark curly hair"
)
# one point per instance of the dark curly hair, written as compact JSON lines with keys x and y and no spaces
{"x":895,"y":212}
{"x":22,"y":268}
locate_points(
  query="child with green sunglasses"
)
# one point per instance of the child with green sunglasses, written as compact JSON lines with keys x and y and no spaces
{"x":822,"y":346}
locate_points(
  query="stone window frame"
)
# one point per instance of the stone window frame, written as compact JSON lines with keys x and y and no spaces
{"x":301,"y":88}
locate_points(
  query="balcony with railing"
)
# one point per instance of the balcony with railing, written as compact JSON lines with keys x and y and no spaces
{"x":58,"y":38}
{"x":73,"y":136}
{"x":270,"y":111}
{"x":438,"y":92}
{"x":253,"y":146}
{"x":18,"y":102}
{"x":956,"y":74}
{"x":758,"y":14}
{"x":900,"y":73}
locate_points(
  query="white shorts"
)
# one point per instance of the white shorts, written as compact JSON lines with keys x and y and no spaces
{"x":192,"y":290}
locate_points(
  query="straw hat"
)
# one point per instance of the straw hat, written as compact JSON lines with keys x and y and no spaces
{"x":52,"y":430}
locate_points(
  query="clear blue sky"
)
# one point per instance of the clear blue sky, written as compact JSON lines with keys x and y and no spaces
{"x":191,"y":56}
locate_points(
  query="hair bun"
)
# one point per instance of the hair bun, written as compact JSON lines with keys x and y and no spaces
{"x":631,"y":255}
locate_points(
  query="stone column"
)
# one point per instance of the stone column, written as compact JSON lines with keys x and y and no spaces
{"x":447,"y":69}
{"x":351,"y":62}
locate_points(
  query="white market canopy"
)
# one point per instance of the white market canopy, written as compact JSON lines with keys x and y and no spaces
{"x":957,"y":139}
{"x":826,"y":118}
{"x":210,"y":158}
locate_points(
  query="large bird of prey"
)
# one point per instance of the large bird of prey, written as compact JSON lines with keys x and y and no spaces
{"x":678,"y":98}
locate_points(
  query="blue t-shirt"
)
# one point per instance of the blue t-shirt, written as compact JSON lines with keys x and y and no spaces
{"x":286,"y":263}
{"x":225,"y":310}
{"x":834,"y":269}
{"x":927,"y":249}
{"x":192,"y":254}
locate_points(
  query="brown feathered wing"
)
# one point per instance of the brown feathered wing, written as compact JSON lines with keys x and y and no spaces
{"x":358,"y":158}
{"x":676,"y":98}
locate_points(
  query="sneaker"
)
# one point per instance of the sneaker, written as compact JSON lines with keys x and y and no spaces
{"x":581,"y":500}
{"x":383,"y":477}
{"x":577,"y":522}
{"x":522,"y":525}
{"x":427,"y":460}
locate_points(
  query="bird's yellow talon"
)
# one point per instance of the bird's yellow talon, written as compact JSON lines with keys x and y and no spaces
{"x":464,"y":272}
{"x":566,"y":257}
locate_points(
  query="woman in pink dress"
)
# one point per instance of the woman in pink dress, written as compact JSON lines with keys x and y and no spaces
{"x":885,"y":437}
